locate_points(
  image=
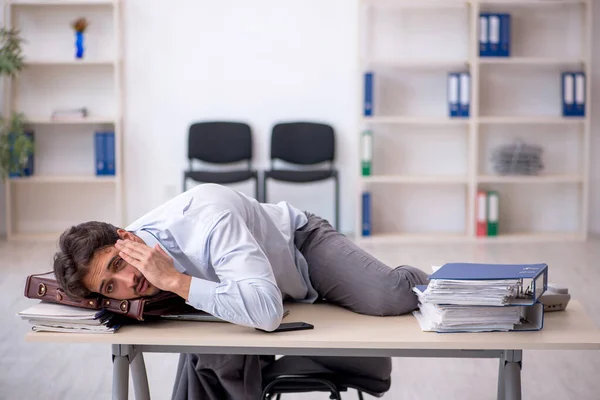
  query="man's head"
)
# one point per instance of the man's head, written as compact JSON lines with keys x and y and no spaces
{"x":88,"y":262}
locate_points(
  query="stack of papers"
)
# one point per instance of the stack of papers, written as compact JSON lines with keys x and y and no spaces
{"x":470,"y":292}
{"x":464,"y":318}
{"x":472,"y":297}
{"x":51,"y":317}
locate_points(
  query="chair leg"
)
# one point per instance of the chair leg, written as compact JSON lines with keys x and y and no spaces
{"x":360,"y":395}
{"x":264,"y":192}
{"x":257,"y":191}
{"x":278,"y":396}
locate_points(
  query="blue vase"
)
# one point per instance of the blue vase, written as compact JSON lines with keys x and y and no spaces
{"x":79,"y":44}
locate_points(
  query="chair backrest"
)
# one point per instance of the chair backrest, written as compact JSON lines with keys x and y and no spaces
{"x":220,"y":142}
{"x":303,"y":143}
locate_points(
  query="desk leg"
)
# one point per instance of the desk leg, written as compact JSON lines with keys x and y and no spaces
{"x":120,"y":377}
{"x":501,"y":379}
{"x":509,"y":375}
{"x":139,"y":377}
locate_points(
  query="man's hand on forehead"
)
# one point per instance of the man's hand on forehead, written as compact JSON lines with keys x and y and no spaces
{"x":156,"y":266}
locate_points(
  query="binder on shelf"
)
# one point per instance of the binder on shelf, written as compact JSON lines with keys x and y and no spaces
{"x":481,"y":213}
{"x":367,"y":152}
{"x":531,"y":279}
{"x":484,"y":43}
{"x":493,"y":201}
{"x":453,"y":94}
{"x":368,"y":102}
{"x":579,"y":109}
{"x":100,"y":154}
{"x":494,"y":35}
{"x":505,"y":35}
{"x":366,"y":214}
{"x":464,"y":94}
{"x":109,"y":148}
{"x":568,"y":94}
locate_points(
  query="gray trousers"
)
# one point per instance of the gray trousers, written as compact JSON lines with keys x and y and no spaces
{"x":341,"y":273}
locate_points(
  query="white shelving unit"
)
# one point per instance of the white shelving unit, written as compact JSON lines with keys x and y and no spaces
{"x":64,"y":189}
{"x":427,"y":167}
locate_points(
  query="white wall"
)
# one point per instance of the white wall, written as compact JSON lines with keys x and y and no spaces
{"x":259,"y":62}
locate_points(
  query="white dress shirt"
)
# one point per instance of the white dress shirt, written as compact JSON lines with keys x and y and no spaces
{"x":239,"y":252}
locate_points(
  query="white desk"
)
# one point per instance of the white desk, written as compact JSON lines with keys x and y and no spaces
{"x":337,"y":332}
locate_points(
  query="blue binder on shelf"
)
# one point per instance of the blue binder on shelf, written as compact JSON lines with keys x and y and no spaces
{"x":568,"y":94}
{"x":505,"y":35}
{"x":100,"y":154}
{"x":109,"y":148}
{"x":494,"y":35}
{"x":580,"y":94}
{"x":366,"y":214}
{"x":484,"y":35}
{"x":464,"y":94}
{"x":368,"y":102}
{"x":533,"y":278}
{"x":454,"y":94}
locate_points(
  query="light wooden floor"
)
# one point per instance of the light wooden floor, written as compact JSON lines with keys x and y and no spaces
{"x":33,"y":371}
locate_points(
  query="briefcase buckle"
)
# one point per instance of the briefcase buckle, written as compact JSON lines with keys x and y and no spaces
{"x":41,"y":290}
{"x":124,"y":306}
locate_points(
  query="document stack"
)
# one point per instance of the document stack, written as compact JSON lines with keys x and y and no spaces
{"x":469,"y":297}
{"x":51,"y":317}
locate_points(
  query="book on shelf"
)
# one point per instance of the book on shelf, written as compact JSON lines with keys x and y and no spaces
{"x":366,"y":162}
{"x":573,"y":93}
{"x":487,"y":204}
{"x":494,"y":34}
{"x":473,"y":297}
{"x":366,"y":214}
{"x":368,"y":94}
{"x":104,"y":147}
{"x":69,"y":114}
{"x":459,"y":94}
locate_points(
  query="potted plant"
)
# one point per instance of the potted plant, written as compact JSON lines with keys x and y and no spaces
{"x":15,"y":146}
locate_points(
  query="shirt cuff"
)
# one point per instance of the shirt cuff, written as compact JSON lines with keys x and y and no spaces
{"x":202,"y":294}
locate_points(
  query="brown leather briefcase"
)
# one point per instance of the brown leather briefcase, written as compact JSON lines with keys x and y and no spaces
{"x":45,"y":287}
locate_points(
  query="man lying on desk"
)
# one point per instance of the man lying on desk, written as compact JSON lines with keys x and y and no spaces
{"x":237,"y":259}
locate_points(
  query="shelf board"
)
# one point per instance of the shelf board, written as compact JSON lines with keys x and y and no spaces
{"x":537,"y":61}
{"x":411,"y":64}
{"x":68,"y":63}
{"x":531,"y":237}
{"x":530,"y":2}
{"x":62,"y":2}
{"x":418,"y":4}
{"x":435,"y":237}
{"x":416,"y":120}
{"x":73,"y":121}
{"x":532,"y":120}
{"x":422,"y":179}
{"x":529,"y":179}
{"x":391,"y":238}
{"x":65,"y":179}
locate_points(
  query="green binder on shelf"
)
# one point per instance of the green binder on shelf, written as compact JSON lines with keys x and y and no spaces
{"x":492,"y":209}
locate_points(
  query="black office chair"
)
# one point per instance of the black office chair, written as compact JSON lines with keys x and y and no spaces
{"x":303,"y":144}
{"x":292,"y":374}
{"x":220,"y":143}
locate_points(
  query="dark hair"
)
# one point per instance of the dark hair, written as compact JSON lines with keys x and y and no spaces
{"x":78,"y":244}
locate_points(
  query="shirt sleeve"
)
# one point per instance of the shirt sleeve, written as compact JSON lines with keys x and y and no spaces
{"x":247,"y":293}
